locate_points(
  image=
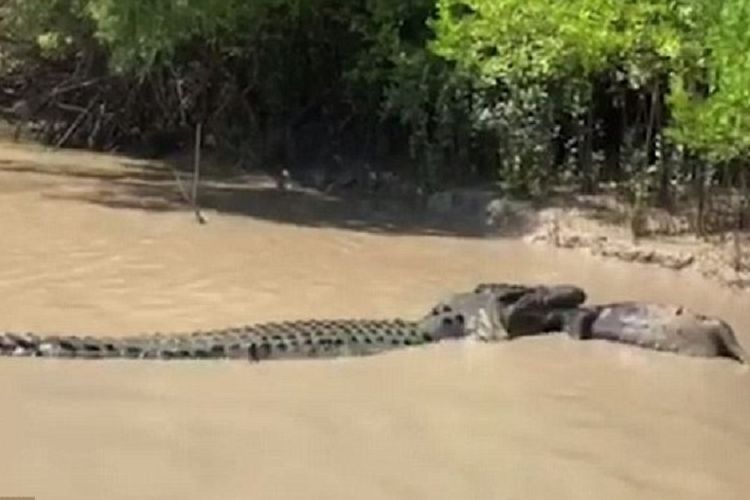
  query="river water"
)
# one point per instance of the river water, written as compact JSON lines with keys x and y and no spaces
{"x":87,"y":247}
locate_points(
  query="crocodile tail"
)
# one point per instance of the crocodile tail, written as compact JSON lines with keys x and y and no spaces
{"x":27,"y":344}
{"x":149,"y":346}
{"x":12,"y":344}
{"x":286,"y":340}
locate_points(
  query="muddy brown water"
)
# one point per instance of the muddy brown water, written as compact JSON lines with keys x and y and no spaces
{"x":542,"y":418}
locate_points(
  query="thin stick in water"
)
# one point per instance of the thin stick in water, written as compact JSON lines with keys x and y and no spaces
{"x":196,"y":173}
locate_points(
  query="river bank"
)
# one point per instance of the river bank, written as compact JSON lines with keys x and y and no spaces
{"x":598,"y":225}
{"x":592,"y":229}
{"x":593,"y":225}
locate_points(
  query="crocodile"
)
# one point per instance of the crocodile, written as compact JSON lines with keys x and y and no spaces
{"x":503,"y":311}
{"x":488,"y":313}
{"x":660,"y":327}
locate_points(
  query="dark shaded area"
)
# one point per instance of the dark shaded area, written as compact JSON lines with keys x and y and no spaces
{"x":144,"y":172}
{"x":154,"y":189}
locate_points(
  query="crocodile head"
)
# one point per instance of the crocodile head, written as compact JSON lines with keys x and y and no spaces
{"x":495,"y":311}
{"x":505,"y":293}
{"x":443,"y":322}
{"x":462,"y":315}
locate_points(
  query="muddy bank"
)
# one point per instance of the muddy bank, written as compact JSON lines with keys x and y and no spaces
{"x":598,"y":226}
{"x":725,"y":262}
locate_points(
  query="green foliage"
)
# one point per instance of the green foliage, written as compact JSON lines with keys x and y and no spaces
{"x":539,"y":40}
{"x":569,"y":44}
{"x":716,"y":123}
{"x":54,"y":25}
{"x":412,"y":86}
{"x":140,"y":32}
{"x":525,"y":40}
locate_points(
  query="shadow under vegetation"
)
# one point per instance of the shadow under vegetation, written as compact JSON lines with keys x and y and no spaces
{"x":154,"y":188}
{"x":145,"y":172}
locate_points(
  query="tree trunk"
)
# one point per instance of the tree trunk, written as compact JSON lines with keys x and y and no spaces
{"x":586,"y":152}
{"x":651,"y":129}
{"x":614,"y":126}
{"x":700,"y":193}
